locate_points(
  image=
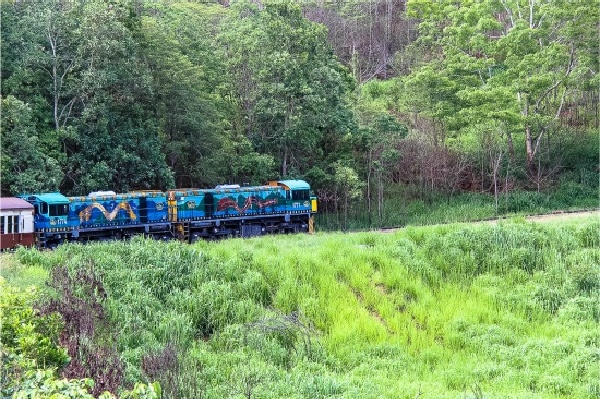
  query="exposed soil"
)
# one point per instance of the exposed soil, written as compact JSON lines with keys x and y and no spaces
{"x":549,"y":217}
{"x":563,"y":216}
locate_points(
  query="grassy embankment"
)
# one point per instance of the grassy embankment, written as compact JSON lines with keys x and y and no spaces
{"x":399,"y":210}
{"x":469,"y":311}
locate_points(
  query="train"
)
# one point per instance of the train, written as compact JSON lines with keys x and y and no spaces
{"x":46,"y":220}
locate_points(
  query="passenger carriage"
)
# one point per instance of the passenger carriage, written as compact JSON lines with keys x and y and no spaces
{"x":16,"y":223}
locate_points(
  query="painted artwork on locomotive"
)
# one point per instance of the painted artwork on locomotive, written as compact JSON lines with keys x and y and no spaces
{"x":253,"y":202}
{"x":194,"y":204}
{"x":250,"y":203}
{"x":86,"y":214}
{"x":123,"y":209}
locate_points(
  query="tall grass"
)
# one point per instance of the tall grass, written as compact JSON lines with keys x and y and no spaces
{"x":402,"y":209}
{"x":504,"y":310}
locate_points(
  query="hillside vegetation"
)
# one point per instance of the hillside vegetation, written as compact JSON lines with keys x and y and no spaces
{"x":371,"y":102}
{"x":469,"y":311}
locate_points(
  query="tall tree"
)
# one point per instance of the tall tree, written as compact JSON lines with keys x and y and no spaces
{"x":178,"y":49}
{"x":513,"y":61}
{"x":118,"y":146}
{"x":39,"y":67}
{"x":24,"y":167}
{"x":77,"y":67}
{"x":289,"y":86}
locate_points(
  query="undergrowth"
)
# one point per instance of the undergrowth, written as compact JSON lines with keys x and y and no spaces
{"x":400,"y":209}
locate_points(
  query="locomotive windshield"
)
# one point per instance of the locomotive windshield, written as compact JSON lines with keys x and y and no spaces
{"x":59,"y":209}
{"x":52,"y":209}
{"x":300,"y":195}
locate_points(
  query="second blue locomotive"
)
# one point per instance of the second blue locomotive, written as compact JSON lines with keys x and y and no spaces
{"x":284,"y":206}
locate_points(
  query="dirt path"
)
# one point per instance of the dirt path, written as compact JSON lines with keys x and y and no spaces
{"x":563,"y":216}
{"x":549,"y":217}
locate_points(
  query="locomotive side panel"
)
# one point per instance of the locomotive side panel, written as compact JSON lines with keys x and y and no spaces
{"x":247,"y":201}
{"x":190,"y":204}
{"x":119,"y":216}
{"x":154,"y":207}
{"x":118,"y":210}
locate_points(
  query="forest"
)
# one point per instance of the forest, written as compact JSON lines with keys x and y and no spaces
{"x":374,"y":102}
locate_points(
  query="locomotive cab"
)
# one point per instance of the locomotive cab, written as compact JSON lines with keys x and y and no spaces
{"x":51,"y":214}
{"x":300,"y":204}
{"x":51,"y":208}
{"x":298,"y":195}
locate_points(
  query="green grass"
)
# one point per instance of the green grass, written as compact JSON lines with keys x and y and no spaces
{"x":19,"y":275}
{"x":400,"y":210}
{"x":448,"y":311}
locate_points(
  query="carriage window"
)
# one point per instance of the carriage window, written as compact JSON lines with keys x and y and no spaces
{"x":13,"y":224}
{"x":59,"y":209}
{"x":2,"y":223}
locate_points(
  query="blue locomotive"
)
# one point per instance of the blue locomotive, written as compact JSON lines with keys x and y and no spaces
{"x":283,"y":206}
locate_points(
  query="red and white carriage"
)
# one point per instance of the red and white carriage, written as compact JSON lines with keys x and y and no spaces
{"x":16,"y":223}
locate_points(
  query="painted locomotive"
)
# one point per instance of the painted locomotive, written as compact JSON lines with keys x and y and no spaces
{"x":283,"y":206}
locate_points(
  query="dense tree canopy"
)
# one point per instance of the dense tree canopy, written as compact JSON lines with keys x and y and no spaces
{"x":514,"y":65}
{"x":126,"y":96}
{"x":437,"y":95}
{"x":289,"y":85}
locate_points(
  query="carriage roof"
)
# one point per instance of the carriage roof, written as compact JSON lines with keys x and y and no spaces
{"x":12,"y":203}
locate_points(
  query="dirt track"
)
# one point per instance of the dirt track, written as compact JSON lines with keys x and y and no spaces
{"x":549,"y":217}
{"x":563,"y":216}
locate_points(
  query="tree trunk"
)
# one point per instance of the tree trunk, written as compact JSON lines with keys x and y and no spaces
{"x":531,"y":167}
{"x":369,"y":171}
{"x":285,"y":162}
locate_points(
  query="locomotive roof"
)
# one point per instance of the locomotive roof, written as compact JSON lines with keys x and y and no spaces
{"x":295,"y":184}
{"x":51,"y":198}
{"x":14,"y":203}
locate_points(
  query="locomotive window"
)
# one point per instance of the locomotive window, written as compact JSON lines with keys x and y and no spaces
{"x":300,"y":195}
{"x":59,"y":209}
{"x":43,"y":208}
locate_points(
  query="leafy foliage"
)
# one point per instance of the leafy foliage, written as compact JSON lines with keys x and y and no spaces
{"x":489,"y":97}
{"x":31,"y":355}
{"x":497,"y":61}
{"x":25,"y":167}
{"x":290,"y":88}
